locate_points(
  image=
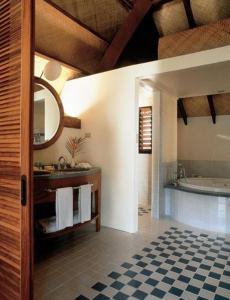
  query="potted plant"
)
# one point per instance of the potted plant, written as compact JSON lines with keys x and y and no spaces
{"x":74,"y":146}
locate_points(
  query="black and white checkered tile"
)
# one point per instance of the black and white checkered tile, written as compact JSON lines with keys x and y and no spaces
{"x":142,"y":211}
{"x":178,"y":265}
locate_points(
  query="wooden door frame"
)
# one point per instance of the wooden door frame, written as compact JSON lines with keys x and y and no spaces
{"x":27,"y":63}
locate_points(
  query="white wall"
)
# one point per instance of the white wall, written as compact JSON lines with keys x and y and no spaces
{"x":107,"y":105}
{"x":168,"y":143}
{"x":108,"y":111}
{"x":204,"y":148}
{"x":202,"y":140}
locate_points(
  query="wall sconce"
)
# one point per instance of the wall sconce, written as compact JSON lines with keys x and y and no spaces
{"x":52,"y":70}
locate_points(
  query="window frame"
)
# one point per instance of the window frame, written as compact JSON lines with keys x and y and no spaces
{"x":141,"y":149}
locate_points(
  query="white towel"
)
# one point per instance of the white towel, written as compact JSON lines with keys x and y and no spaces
{"x":64,"y":208}
{"x":76,"y":217}
{"x":85,"y":202}
{"x":47,"y":225}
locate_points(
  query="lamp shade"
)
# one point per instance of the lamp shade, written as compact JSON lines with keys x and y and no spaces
{"x":52,"y":70}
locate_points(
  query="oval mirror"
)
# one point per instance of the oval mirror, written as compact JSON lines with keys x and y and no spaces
{"x":48,"y":114}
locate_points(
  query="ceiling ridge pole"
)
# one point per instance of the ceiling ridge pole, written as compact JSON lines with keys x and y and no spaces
{"x":189,"y":13}
{"x":212,"y":108}
{"x":125,"y":33}
{"x":182,"y":110}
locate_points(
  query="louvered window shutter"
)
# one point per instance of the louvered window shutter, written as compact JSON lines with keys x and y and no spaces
{"x":145,"y":129}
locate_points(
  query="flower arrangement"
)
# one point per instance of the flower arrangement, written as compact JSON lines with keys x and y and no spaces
{"x":74,"y":146}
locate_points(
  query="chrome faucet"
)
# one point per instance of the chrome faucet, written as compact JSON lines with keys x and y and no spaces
{"x":181,"y":171}
{"x":62,"y":162}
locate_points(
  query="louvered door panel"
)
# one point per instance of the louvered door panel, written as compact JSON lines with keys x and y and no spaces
{"x":14,"y":139}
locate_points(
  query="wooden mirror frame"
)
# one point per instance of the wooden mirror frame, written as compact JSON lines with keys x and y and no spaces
{"x":61,"y":110}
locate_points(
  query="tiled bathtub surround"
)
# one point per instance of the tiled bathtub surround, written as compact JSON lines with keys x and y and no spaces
{"x":206,"y":168}
{"x":167,"y":170}
{"x":198,"y":210}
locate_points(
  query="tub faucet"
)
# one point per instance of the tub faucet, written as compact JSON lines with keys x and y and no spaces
{"x":181,"y":173}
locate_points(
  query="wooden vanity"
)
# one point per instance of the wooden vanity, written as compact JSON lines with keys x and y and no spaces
{"x":44,"y":194}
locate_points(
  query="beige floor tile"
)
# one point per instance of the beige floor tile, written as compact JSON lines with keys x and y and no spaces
{"x":88,"y":257}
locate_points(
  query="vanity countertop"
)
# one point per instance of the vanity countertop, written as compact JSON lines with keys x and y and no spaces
{"x":68,"y":173}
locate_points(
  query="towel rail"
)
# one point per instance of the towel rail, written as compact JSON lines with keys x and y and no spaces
{"x":54,"y":190}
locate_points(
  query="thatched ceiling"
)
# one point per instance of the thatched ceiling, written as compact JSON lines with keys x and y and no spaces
{"x":203,"y":106}
{"x":103,"y":16}
{"x":95,"y":35}
{"x":89,"y":36}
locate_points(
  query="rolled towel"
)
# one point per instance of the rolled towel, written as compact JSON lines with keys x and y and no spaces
{"x":85,"y":202}
{"x":64,"y":208}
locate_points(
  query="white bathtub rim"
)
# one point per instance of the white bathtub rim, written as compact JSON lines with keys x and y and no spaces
{"x":184,"y":182}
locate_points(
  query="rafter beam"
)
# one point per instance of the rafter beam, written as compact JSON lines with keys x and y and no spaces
{"x":182,"y":111}
{"x":74,"y":68}
{"x":127,"y":30}
{"x":128,"y":4}
{"x":75,"y":19}
{"x":64,"y":38}
{"x":189,"y":13}
{"x":212,"y":108}
{"x":158,"y":4}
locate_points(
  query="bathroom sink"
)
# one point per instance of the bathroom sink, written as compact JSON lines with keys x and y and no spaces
{"x":41,"y":172}
{"x":69,"y":170}
{"x":60,"y":172}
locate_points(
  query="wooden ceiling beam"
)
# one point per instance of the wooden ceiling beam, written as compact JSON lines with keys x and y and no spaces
{"x":67,"y":65}
{"x":182,"y":111}
{"x":212,"y":108}
{"x":158,"y":4}
{"x":127,"y":30}
{"x":75,"y":19}
{"x":189,"y":13}
{"x":128,"y":4}
{"x":62,"y":37}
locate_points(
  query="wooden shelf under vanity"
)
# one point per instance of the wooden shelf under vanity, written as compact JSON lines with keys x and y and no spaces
{"x":45,"y":200}
{"x":68,"y":229}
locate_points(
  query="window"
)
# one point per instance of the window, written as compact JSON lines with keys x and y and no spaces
{"x":145,"y":129}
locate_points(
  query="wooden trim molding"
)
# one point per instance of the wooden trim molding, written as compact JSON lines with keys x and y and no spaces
{"x":71,"y":122}
{"x":27,"y":72}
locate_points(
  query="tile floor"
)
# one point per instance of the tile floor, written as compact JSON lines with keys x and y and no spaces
{"x":163,"y":260}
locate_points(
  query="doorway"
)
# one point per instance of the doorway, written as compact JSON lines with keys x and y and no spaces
{"x":148,"y":150}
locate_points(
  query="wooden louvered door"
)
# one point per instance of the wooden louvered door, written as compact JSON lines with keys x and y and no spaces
{"x":15,"y":147}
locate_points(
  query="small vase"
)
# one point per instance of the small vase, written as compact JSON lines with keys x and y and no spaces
{"x":72,"y":163}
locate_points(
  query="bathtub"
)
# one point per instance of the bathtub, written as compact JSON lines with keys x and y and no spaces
{"x":200,"y":202}
{"x":217,"y":185}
